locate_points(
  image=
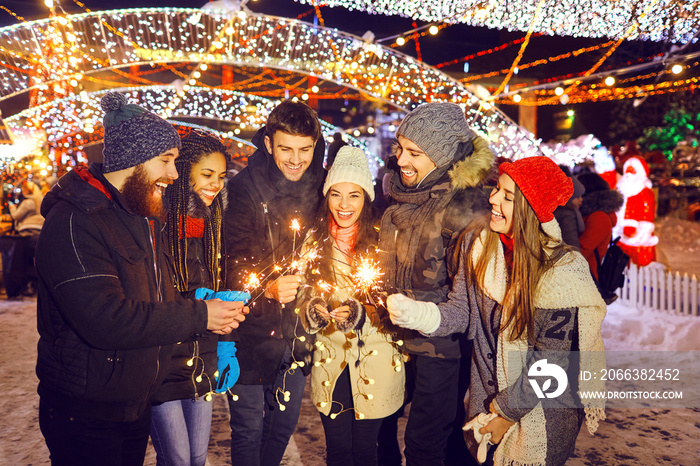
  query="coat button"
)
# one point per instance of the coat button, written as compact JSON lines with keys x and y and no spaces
{"x":490,"y":382}
{"x":489,"y":355}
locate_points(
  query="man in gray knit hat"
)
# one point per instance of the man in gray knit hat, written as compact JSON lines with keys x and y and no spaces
{"x":107,"y":311}
{"x":437,"y":194}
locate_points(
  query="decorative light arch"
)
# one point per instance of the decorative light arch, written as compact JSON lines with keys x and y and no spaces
{"x":672,"y":20}
{"x":104,"y":40}
{"x":74,"y":123}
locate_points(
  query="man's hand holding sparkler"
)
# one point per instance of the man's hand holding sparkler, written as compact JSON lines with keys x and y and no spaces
{"x":224,"y":316}
{"x":284,"y":289}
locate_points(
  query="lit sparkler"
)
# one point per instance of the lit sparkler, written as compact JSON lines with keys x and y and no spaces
{"x":367,"y":275}
{"x":296,"y":227}
{"x":252,"y":282}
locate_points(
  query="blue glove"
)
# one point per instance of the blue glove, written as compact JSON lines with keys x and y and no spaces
{"x":228,"y":367}
{"x":206,"y":293}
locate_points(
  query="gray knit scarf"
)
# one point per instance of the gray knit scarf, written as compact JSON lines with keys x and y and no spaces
{"x":408,"y":216}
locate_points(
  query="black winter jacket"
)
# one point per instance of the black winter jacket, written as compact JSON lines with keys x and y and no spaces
{"x":107,"y":310}
{"x":181,"y":381}
{"x":261,"y":207}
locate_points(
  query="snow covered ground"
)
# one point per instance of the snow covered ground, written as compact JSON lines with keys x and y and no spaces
{"x":639,"y":436}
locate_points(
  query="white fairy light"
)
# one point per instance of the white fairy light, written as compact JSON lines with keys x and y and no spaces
{"x":578,"y":18}
{"x":156,"y":35}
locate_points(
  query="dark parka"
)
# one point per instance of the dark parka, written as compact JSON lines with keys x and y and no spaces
{"x":430,"y":279}
{"x":180,"y":382}
{"x":261,"y":207}
{"x":107,"y":310}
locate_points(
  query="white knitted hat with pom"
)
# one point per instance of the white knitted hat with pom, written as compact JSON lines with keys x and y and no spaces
{"x":350,"y":166}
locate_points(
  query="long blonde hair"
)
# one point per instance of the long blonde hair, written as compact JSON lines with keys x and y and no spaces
{"x":534,"y":253}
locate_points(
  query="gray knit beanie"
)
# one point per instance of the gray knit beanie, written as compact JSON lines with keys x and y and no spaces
{"x":350,"y":166}
{"x":133,"y":135}
{"x":438,"y":129}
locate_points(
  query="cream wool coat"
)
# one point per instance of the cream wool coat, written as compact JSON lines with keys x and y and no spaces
{"x":376,"y":367}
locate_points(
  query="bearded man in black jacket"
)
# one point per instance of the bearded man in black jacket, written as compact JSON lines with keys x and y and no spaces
{"x":107,"y":311}
{"x":279,"y":189}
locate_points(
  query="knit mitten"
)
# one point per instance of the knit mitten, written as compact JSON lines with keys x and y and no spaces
{"x":415,"y":315}
{"x":484,"y":440}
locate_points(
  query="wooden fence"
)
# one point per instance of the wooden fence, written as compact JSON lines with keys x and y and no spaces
{"x":656,"y":288}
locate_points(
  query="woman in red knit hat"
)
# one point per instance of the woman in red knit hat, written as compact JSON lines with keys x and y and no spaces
{"x":520,"y":291}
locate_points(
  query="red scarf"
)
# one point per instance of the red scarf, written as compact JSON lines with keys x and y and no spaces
{"x":85,"y":174}
{"x":507,"y":249}
{"x":195,"y":227}
{"x":346,"y":238}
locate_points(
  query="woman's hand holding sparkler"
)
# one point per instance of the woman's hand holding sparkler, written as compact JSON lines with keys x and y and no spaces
{"x":284,"y":289}
{"x":340,"y":314}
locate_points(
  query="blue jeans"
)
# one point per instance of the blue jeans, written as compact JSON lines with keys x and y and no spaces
{"x":180,"y":432}
{"x":260,"y":430}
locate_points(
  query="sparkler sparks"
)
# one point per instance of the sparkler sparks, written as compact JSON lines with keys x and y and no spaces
{"x":367,"y":275}
{"x":252,"y":282}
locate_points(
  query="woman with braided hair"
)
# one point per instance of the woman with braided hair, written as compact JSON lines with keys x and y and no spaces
{"x":182,"y":408}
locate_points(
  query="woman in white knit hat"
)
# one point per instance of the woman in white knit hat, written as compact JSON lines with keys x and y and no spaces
{"x":357,"y":378}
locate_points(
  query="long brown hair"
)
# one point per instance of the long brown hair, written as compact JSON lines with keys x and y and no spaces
{"x":534,"y":253}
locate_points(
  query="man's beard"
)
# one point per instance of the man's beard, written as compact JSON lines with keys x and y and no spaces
{"x":138,"y":192}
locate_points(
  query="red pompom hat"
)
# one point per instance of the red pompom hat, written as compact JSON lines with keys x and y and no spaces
{"x":542,"y":182}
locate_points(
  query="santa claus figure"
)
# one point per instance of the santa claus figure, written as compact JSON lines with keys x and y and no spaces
{"x":636,"y":230}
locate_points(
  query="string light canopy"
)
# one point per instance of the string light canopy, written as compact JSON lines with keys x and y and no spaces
{"x":673,"y":20}
{"x":74,"y":123}
{"x":122,"y":38}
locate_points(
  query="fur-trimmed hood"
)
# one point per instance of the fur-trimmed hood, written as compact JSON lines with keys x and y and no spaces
{"x":608,"y":201}
{"x":474,"y":169}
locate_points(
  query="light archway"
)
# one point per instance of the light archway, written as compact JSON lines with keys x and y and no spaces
{"x":73,"y":124}
{"x":93,"y":42}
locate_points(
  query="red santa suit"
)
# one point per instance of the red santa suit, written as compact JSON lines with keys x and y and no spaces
{"x":636,"y":229}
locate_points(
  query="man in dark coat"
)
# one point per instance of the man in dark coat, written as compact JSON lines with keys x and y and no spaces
{"x":107,"y":311}
{"x":272,"y":203}
{"x":441,"y":164}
